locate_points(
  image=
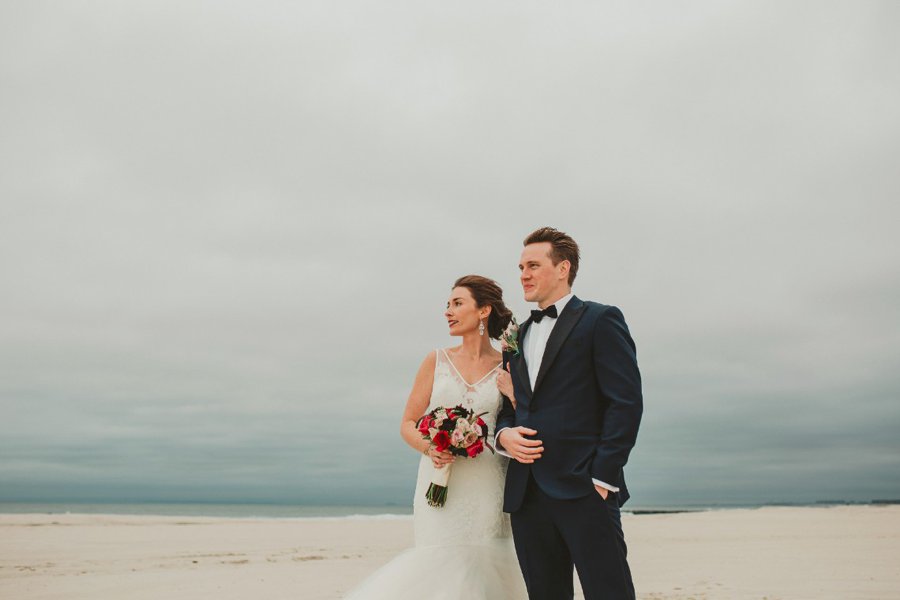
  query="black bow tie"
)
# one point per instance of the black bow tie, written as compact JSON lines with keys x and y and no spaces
{"x":538,"y":315}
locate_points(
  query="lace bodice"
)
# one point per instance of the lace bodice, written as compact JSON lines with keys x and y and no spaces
{"x":450,"y":389}
{"x":473,"y":513}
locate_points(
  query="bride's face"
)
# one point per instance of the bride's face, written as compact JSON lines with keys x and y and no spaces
{"x":462,"y":314}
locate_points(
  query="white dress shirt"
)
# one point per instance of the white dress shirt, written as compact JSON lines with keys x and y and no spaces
{"x":533,"y":346}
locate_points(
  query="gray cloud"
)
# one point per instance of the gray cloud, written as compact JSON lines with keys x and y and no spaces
{"x":228,"y":231}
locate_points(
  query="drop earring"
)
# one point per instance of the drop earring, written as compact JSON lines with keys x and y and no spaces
{"x":481,"y":327}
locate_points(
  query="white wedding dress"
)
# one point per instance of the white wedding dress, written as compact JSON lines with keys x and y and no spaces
{"x":463,"y":549}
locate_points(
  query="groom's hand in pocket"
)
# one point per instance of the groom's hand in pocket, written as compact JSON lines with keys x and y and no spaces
{"x":602,"y":491}
{"x":520,"y":447}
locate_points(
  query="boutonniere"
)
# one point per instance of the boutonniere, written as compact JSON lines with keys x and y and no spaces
{"x":509,"y":340}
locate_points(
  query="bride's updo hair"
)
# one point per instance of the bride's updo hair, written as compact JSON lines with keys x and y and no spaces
{"x":486,"y":292}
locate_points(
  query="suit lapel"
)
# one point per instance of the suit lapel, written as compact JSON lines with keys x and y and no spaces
{"x":518,"y":360}
{"x":564,"y":324}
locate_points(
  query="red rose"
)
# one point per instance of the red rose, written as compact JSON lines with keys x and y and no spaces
{"x":475,"y":449}
{"x":442,"y":441}
{"x":480,"y":422}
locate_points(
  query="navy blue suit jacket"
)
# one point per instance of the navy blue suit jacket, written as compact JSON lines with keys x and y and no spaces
{"x":586,"y":405}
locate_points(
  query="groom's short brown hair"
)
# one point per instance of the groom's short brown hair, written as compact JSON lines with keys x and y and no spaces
{"x":562,"y":247}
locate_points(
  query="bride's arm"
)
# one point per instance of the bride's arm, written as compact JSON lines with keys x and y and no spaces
{"x":416,"y":405}
{"x":504,"y":384}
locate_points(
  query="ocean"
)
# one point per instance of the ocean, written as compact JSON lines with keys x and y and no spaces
{"x":203,"y":509}
{"x":295,"y":511}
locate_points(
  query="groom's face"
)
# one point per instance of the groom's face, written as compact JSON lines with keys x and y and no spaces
{"x":542,"y":281}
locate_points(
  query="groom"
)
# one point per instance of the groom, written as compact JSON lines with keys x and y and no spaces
{"x":578,"y":407}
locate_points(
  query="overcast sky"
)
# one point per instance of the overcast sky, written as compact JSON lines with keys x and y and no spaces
{"x":228,"y":230}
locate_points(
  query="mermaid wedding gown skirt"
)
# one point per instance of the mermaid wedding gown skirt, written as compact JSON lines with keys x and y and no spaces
{"x":463,"y":549}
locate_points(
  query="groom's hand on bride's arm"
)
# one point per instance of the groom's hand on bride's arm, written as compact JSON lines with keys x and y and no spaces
{"x":519,"y":447}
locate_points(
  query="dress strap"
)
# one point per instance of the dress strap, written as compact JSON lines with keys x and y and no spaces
{"x":441,"y":359}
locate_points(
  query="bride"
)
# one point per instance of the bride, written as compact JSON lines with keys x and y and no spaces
{"x":463,"y":549}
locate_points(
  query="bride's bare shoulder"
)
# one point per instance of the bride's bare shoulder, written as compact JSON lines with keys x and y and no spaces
{"x":430,"y":359}
{"x":425,"y":374}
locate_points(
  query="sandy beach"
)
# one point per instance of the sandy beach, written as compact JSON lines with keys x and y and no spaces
{"x":843,"y":552}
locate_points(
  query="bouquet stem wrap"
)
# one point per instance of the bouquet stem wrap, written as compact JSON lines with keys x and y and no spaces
{"x":437,"y":489}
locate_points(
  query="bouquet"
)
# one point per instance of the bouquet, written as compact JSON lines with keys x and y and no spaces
{"x":458,"y":431}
